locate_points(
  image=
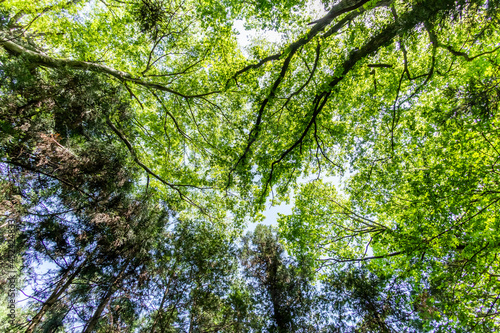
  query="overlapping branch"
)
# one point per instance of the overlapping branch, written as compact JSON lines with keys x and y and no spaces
{"x":402,"y":24}
{"x":355,"y":6}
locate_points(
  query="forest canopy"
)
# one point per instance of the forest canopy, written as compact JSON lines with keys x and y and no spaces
{"x":139,"y":140}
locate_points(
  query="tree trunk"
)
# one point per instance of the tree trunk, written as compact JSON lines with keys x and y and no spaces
{"x":63,"y":284}
{"x":112,"y":289}
{"x":159,"y":315}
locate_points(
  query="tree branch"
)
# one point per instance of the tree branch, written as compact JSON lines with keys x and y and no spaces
{"x":149,"y":171}
{"x":43,"y":60}
{"x":363,"y":259}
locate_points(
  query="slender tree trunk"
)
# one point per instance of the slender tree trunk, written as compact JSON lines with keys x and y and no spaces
{"x":63,"y":284}
{"x":112,"y":289}
{"x":160,"y":309}
{"x":191,"y":320}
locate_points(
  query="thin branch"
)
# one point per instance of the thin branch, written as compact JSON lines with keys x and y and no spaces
{"x":363,"y":259}
{"x":149,"y":171}
{"x":465,"y":55}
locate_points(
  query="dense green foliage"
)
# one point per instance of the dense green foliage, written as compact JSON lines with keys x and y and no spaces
{"x":138,"y":140}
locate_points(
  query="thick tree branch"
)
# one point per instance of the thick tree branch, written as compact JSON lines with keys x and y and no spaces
{"x":43,"y":60}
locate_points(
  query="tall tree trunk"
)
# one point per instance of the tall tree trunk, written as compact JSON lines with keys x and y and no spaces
{"x":276,"y":291}
{"x":159,"y":315}
{"x":60,"y":288}
{"x":112,"y":289}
